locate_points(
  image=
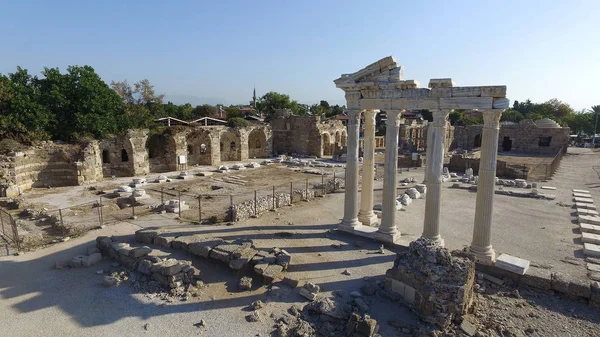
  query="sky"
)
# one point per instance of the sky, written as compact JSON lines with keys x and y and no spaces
{"x":218,"y":51}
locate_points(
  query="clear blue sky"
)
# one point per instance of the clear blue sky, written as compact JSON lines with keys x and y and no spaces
{"x":219,"y":50}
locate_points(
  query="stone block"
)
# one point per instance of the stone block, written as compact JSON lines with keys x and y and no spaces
{"x":583,"y":200}
{"x":140,"y":251}
{"x":550,"y":188}
{"x":590,"y":238}
{"x":441,"y":83}
{"x":272,"y":272}
{"x":585,"y":211}
{"x":171,"y":267}
{"x":501,"y":103}
{"x":587,"y":228}
{"x":146,"y":235}
{"x":440,"y":92}
{"x":125,"y":251}
{"x":466,"y":92}
{"x":160,"y":279}
{"x":76,"y":262}
{"x":581,"y":191}
{"x":260,"y":267}
{"x":537,"y":278}
{"x":593,"y":267}
{"x":415,"y":93}
{"x":592,"y":220}
{"x":512,"y":264}
{"x":590,"y":249}
{"x":292,"y":282}
{"x":493,"y":91}
{"x":237,"y":264}
{"x":482,"y":103}
{"x":203,"y":248}
{"x":582,"y":195}
{"x":144,"y":267}
{"x":409,"y":294}
{"x":91,"y":260}
{"x":585,"y":205}
{"x":182,"y":242}
{"x":219,"y":255}
{"x":163,"y":240}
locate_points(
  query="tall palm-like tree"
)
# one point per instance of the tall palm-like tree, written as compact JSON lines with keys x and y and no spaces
{"x":595,"y":110}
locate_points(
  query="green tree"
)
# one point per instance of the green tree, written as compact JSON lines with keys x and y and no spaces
{"x":237,"y":122}
{"x":511,"y":115}
{"x":272,"y":101}
{"x":205,"y":110}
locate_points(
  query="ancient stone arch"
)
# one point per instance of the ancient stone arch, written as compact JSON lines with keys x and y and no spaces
{"x":162,"y":155}
{"x":257,"y":144}
{"x":343,"y":139}
{"x":230,"y":146}
{"x":326,"y":144}
{"x":338,"y":138}
{"x":199,"y":148}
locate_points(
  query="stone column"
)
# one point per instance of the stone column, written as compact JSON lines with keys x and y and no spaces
{"x":481,"y":245}
{"x":350,"y":219}
{"x":427,"y":151}
{"x":366,"y":215}
{"x":435,"y":165}
{"x":387,"y":230}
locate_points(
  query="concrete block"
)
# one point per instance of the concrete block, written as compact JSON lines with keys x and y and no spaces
{"x":590,"y":249}
{"x":550,"y":188}
{"x":585,"y":211}
{"x":589,"y":228}
{"x":512,"y":264}
{"x":585,"y":205}
{"x":581,"y":191}
{"x":582,"y":195}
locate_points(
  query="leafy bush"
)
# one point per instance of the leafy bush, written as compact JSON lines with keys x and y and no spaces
{"x":237,"y":122}
{"x":8,"y":145}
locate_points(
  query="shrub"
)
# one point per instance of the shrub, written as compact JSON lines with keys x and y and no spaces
{"x":237,"y":122}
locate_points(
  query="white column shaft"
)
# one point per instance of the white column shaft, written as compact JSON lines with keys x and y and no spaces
{"x":366,"y":215}
{"x":351,"y":190}
{"x":435,"y":166}
{"x":428,"y":151}
{"x":390,"y":179}
{"x":481,"y":245}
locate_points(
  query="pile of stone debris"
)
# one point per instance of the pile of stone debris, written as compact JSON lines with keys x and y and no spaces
{"x":236,"y":254}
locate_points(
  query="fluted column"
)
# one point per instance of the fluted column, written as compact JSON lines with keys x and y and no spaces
{"x":387,"y":230}
{"x":366,"y":215}
{"x":435,"y":165}
{"x":350,"y":219}
{"x":481,"y":245}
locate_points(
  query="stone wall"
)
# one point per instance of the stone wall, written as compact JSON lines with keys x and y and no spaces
{"x":49,"y":165}
{"x":126,"y":155}
{"x":525,"y":137}
{"x":459,"y":163}
{"x":307,"y":135}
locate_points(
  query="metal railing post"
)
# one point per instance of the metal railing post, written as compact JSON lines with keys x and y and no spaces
{"x":291,"y":192}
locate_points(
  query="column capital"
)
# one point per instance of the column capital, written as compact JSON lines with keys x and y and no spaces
{"x":491,"y":118}
{"x":369,"y":116}
{"x":354,"y":116}
{"x":393,"y":117}
{"x":440,"y":117}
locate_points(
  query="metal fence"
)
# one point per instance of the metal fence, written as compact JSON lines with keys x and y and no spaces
{"x":8,"y":226}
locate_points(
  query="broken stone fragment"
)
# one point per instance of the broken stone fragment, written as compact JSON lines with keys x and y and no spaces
{"x":272,"y":272}
{"x":110,"y":281}
{"x":254,"y":317}
{"x":144,"y":267}
{"x":245,"y":283}
{"x":171,"y":267}
{"x":310,"y":290}
{"x":140,"y":251}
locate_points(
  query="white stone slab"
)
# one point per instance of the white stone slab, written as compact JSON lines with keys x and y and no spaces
{"x":592,"y":220}
{"x":584,"y":205}
{"x":590,"y":238}
{"x":584,"y":200}
{"x":580,"y":191}
{"x":584,"y":211}
{"x":582,"y":195}
{"x":590,"y":249}
{"x":548,"y":188}
{"x":512,"y":264}
{"x":593,"y":267}
{"x":205,"y":174}
{"x":587,"y":228}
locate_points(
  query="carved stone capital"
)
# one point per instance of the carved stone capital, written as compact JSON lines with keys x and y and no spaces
{"x":440,"y":117}
{"x":369,"y":116}
{"x":354,"y":116}
{"x":393,"y":117}
{"x":491,"y":118}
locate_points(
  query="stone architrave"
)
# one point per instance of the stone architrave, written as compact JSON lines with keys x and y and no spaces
{"x":481,"y":246}
{"x":350,"y":220}
{"x":366,"y":215}
{"x":387,"y":230}
{"x":435,"y":166}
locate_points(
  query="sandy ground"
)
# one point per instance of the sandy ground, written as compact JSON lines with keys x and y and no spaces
{"x":71,"y":302}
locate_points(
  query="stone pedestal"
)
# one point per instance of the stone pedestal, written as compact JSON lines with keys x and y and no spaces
{"x":435,"y":165}
{"x":481,"y":246}
{"x":350,"y":219}
{"x":387,"y":230}
{"x":366,"y":215}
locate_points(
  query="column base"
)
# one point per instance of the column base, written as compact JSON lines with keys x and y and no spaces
{"x":387,"y":237}
{"x":367,"y":219}
{"x":349,"y":225}
{"x":437,"y":239}
{"x":483,"y":256}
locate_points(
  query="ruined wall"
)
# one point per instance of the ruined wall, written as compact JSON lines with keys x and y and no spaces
{"x":524,"y":138}
{"x":458,"y":163}
{"x":49,"y":165}
{"x":307,"y":135}
{"x":126,"y":155}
